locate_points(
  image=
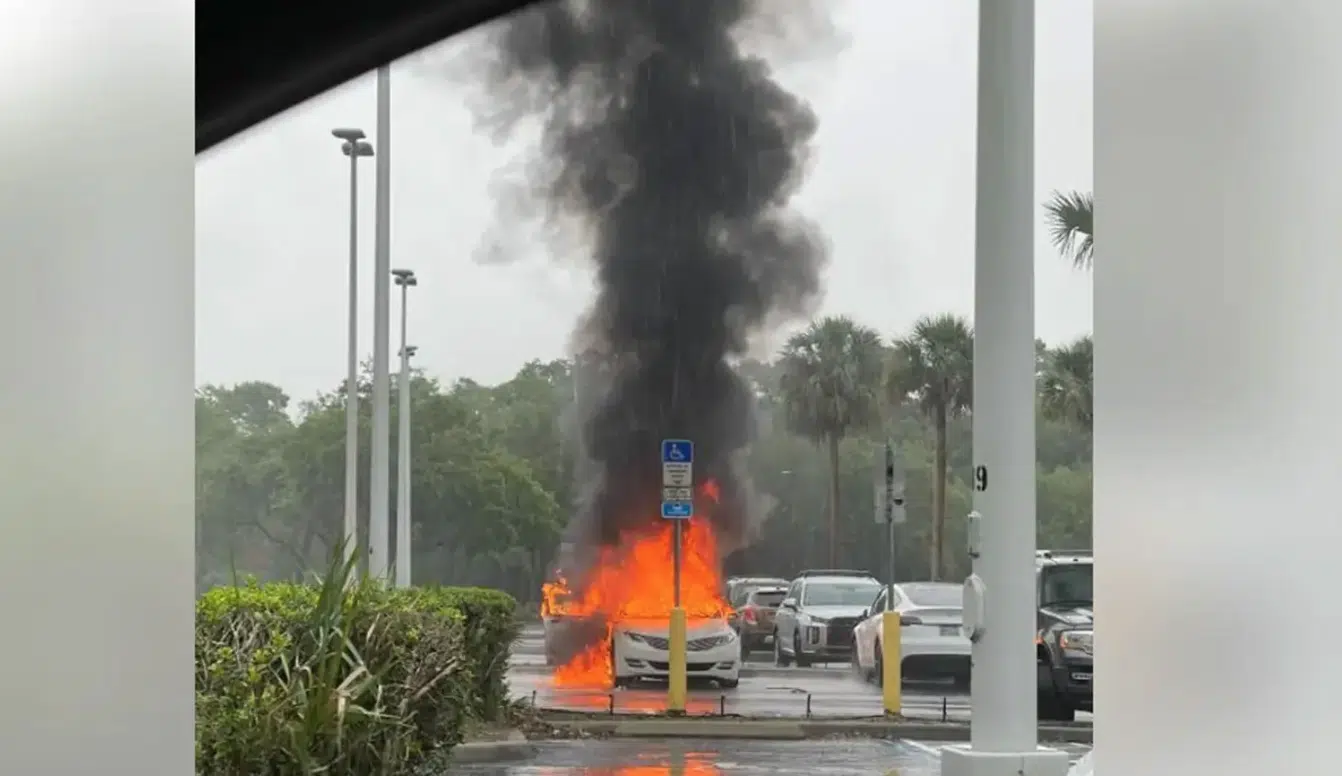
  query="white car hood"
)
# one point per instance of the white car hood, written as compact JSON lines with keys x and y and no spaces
{"x":695,"y":629}
{"x":830,"y":612}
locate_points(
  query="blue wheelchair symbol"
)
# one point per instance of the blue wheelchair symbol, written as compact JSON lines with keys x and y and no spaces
{"x":677,"y":451}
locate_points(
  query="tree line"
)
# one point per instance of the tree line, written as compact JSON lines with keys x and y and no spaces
{"x":493,"y":466}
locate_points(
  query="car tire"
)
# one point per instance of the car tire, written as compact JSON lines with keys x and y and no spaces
{"x":858,"y":671}
{"x":880,"y":665}
{"x":801,"y":660}
{"x":1055,"y":708}
{"x":729,"y":684}
{"x":780,"y":660}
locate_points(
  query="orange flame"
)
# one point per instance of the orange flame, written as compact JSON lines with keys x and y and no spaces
{"x":635,"y":581}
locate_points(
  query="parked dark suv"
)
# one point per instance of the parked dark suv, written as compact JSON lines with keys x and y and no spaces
{"x":1065,"y":641}
{"x":753,"y":617}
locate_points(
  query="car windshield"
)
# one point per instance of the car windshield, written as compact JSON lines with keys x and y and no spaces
{"x":935,"y":595}
{"x":1068,"y":583}
{"x":768,"y":598}
{"x":840,"y":593}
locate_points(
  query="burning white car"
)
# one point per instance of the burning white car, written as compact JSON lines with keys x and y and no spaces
{"x":641,"y":649}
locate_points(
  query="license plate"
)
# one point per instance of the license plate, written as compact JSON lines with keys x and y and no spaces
{"x":950,"y":630}
{"x":1081,"y":676}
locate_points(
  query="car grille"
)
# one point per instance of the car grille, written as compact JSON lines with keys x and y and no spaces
{"x":694,"y":645}
{"x":840,"y":633}
{"x":658,"y":665}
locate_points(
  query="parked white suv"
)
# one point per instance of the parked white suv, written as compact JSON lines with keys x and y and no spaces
{"x":815,"y":621}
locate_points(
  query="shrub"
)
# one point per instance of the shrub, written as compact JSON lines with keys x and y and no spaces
{"x":490,"y":628}
{"x":342,"y":678}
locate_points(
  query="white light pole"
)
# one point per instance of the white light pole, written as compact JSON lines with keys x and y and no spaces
{"x":405,"y":279}
{"x":354,"y":146}
{"x":1000,"y":594}
{"x":379,"y":537}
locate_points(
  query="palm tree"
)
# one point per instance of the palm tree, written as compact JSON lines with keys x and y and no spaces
{"x":1041,"y":353}
{"x":1071,"y":223}
{"x":935,"y":367}
{"x":830,"y":384}
{"x":1066,"y":386}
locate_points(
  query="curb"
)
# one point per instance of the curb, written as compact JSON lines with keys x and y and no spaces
{"x":515,"y":747}
{"x":796,"y":730}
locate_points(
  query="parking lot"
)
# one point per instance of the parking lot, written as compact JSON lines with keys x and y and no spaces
{"x":738,"y":758}
{"x":765,"y":690}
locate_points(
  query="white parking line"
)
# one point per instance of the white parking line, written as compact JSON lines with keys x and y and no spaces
{"x":933,"y":751}
{"x":1074,"y":751}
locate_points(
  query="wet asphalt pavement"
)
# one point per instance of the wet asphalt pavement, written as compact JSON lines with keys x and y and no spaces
{"x":855,"y":757}
{"x":765,"y":690}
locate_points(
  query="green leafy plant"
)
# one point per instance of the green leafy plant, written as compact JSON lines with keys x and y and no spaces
{"x":343,"y":676}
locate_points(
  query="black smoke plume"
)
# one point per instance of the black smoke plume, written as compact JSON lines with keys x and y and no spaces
{"x":677,"y":153}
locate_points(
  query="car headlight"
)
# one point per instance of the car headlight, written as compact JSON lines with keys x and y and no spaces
{"x":638,"y":637}
{"x":818,"y":620}
{"x":714,"y":641}
{"x":1080,"y":642}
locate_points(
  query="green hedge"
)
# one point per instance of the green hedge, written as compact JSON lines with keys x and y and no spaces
{"x":491,"y":627}
{"x":344,"y":679}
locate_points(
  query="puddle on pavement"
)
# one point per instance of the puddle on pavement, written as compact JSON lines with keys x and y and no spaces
{"x":716,"y":758}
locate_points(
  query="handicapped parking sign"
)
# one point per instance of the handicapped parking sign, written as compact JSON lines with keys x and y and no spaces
{"x":677,"y":479}
{"x":677,"y":451}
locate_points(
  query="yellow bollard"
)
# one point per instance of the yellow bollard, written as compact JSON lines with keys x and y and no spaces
{"x":890,"y":660}
{"x":676,"y":682}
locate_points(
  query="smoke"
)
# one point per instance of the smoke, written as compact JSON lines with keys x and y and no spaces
{"x":672,"y":153}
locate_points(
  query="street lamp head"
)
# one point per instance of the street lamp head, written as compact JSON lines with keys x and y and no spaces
{"x":349,"y":134}
{"x":358,"y":148}
{"x":405,"y":277}
{"x":410,"y":351}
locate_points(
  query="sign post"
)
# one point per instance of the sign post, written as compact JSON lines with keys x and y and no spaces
{"x":890,"y":511}
{"x":677,"y":505}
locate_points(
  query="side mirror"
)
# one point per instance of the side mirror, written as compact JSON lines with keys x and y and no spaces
{"x":865,"y":614}
{"x":788,"y":603}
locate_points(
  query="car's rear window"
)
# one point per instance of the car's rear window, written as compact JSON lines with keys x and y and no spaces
{"x":768,"y":597}
{"x":935,"y":595}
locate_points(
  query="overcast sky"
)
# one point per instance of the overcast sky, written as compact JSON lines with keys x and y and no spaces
{"x":892,"y":186}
